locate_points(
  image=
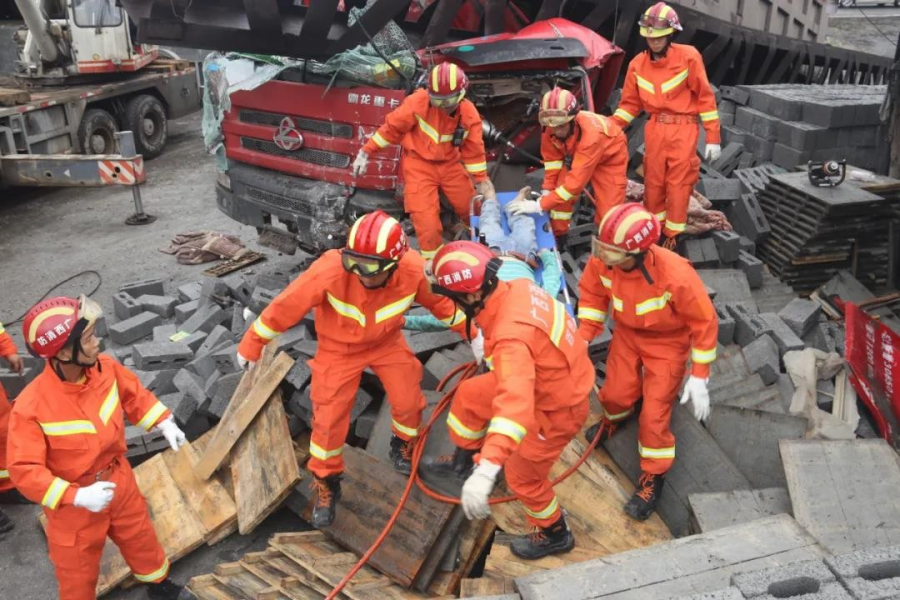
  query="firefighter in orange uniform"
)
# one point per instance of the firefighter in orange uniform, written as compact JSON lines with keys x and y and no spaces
{"x":8,"y":492}
{"x":67,"y":451}
{"x":577,"y":147}
{"x":443,"y":148}
{"x":523,"y":413}
{"x":669,"y":82}
{"x":360,"y":294}
{"x":663,"y":317}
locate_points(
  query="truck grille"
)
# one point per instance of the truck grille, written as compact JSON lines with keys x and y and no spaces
{"x":288,"y":204}
{"x":309,"y":155}
{"x":258,"y":117}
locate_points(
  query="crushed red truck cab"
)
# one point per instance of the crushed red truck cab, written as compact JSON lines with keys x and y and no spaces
{"x":291,"y":141}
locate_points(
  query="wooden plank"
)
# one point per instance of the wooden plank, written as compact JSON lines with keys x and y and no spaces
{"x":691,"y":565}
{"x":725,"y":509}
{"x":750,"y":439}
{"x":700,"y":466}
{"x":845,"y":492}
{"x":235,"y":421}
{"x":474,"y":538}
{"x":207,"y":587}
{"x":485,"y":586}
{"x":264,"y":466}
{"x":371,"y":490}
{"x":239,"y":580}
{"x":12,"y":97}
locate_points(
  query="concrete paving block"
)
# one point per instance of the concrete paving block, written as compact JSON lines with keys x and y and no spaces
{"x":238,"y":325}
{"x":365,"y":422}
{"x":296,"y":426}
{"x":750,"y":439}
{"x":732,"y":134}
{"x":157,"y":356}
{"x":762,"y":358}
{"x":191,"y":340}
{"x":731,"y":286}
{"x":218,"y":336}
{"x":226,"y":359}
{"x":214,"y":291}
{"x":731,"y":593}
{"x":748,"y":219}
{"x":197,"y":426}
{"x":164,"y":306}
{"x":205,"y":319}
{"x":203,"y":366}
{"x":784,"y":337}
{"x":758,"y":123}
{"x":801,"y":136}
{"x":241,"y":287}
{"x":122,"y":353}
{"x":820,"y":338}
{"x":720,"y":190}
{"x":747,"y":245}
{"x":726,"y":326}
{"x":187,"y":383}
{"x":437,"y":367}
{"x":274,"y":279}
{"x":696,"y":252}
{"x":147,"y":286}
{"x":261,"y":298}
{"x":185,"y":311}
{"x":870,"y":574}
{"x":768,"y":399}
{"x":189,"y":292}
{"x":293,"y":336}
{"x":425,"y":343}
{"x":162,"y":382}
{"x":182,"y":406}
{"x":210,"y":386}
{"x":225,"y":388}
{"x":300,"y":405}
{"x":134,"y":329}
{"x":125,"y":307}
{"x":713,"y":511}
{"x":734,"y":94}
{"x":752,"y":267}
{"x":789,"y":158}
{"x":299,"y":375}
{"x":363,"y":400}
{"x":748,"y":325}
{"x":800,"y":315}
{"x":787,"y":581}
{"x":162,"y":333}
{"x":728,"y":245}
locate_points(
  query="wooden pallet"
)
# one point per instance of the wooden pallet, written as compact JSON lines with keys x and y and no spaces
{"x":230,"y":266}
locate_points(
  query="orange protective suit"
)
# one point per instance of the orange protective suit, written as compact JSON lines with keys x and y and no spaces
{"x":64,"y":436}
{"x":535,"y":400}
{"x":431,"y":161}
{"x":356,"y":328}
{"x":658,"y":327}
{"x":7,"y":348}
{"x":675,"y":92}
{"x":598,"y":153}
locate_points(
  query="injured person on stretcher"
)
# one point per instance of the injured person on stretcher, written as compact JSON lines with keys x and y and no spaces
{"x":518,"y":249}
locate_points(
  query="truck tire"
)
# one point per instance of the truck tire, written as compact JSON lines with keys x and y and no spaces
{"x":146,"y":117}
{"x":97,"y":132}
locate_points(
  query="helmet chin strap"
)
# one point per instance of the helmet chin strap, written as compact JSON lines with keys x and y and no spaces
{"x":662,"y":53}
{"x":76,"y":351}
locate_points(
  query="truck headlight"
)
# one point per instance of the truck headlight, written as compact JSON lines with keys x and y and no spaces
{"x":224,"y":180}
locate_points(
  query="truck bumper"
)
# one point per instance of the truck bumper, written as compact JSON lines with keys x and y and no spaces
{"x":317,"y":214}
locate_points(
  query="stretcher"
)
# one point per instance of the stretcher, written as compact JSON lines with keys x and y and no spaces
{"x":543,"y":234}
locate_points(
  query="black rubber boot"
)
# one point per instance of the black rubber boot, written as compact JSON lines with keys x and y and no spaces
{"x":328,"y":495}
{"x":13,"y":496}
{"x":6,"y":523}
{"x":555,"y":539}
{"x":164,"y":590}
{"x":644,"y":501}
{"x":562,"y":242}
{"x":401,"y":454}
{"x":604,"y":427}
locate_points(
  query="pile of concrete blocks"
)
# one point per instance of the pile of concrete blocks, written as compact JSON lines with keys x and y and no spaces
{"x":791,"y":124}
{"x":13,"y":383}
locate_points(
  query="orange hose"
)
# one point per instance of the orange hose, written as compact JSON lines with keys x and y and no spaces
{"x":467,"y":371}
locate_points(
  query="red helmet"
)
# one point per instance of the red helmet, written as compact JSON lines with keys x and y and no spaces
{"x":464,"y":268}
{"x":626,"y":231}
{"x":447,"y":85}
{"x":659,"y":20}
{"x":50,"y":323}
{"x":376,"y":243}
{"x":558,"y":107}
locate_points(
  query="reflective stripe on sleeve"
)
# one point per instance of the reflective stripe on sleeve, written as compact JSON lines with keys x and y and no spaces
{"x":508,"y":428}
{"x":152,"y":415}
{"x":55,"y":493}
{"x":591,"y":314}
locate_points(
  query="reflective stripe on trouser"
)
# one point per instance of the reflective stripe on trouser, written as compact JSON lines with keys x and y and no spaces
{"x":561,"y":217}
{"x":422,"y":180}
{"x":5,"y":410}
{"x":527,"y":469}
{"x":650,"y":366}
{"x":671,"y":168}
{"x":76,"y":538}
{"x":336,"y":371}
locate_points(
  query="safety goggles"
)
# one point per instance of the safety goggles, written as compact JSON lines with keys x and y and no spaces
{"x":654,"y":22}
{"x":88,"y":310}
{"x":446,"y":101}
{"x":610,"y":255}
{"x":365,"y":266}
{"x":554,"y":117}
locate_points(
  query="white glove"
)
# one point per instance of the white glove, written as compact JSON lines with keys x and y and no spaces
{"x":173,"y":434}
{"x":245,"y":363}
{"x":545,"y":193}
{"x":523,"y":207}
{"x":695,"y":391}
{"x":96,"y":496}
{"x":477,"y":489}
{"x":359,"y":164}
{"x":477,"y":345}
{"x":713,"y":152}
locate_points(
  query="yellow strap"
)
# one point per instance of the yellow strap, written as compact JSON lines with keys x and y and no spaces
{"x":561,"y":215}
{"x":264,"y":331}
{"x":55,"y":493}
{"x":606,"y":281}
{"x":455,"y":318}
{"x":702,"y":357}
{"x":624,"y":115}
{"x":507,"y":427}
{"x":67,"y":427}
{"x":546,"y":513}
{"x":559,"y":323}
{"x":110,"y":404}
{"x":394,"y":308}
{"x":462,"y":431}
{"x":4,"y":474}
{"x":346,"y":310}
{"x":671,"y":84}
{"x":617,"y":304}
{"x":323,"y":454}
{"x":591,"y":314}
{"x":152,"y":416}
